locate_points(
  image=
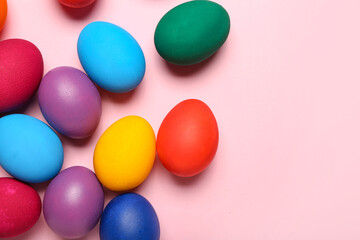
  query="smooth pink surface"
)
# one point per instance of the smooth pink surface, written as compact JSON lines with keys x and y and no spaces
{"x":285,"y":91}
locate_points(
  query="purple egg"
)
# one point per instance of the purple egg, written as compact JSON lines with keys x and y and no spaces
{"x":70,"y":102}
{"x":73,"y":202}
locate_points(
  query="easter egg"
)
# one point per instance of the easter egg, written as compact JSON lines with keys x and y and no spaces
{"x":20,"y":73}
{"x":129,"y":217}
{"x":125,"y":154}
{"x":76,"y":3}
{"x":192,"y":32}
{"x":3,"y":13}
{"x":73,"y":202}
{"x":20,"y":207}
{"x":29,"y":149}
{"x":111,"y":57}
{"x":188,"y":138}
{"x":70,"y":102}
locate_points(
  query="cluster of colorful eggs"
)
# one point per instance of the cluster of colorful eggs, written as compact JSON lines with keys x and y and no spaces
{"x":32,"y":152}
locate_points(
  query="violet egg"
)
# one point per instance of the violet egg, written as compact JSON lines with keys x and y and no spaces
{"x":73,"y":202}
{"x":70,"y":102}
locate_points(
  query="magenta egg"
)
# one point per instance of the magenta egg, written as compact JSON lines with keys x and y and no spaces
{"x":21,"y":70}
{"x":70,"y":102}
{"x":20,"y":207}
{"x":73,"y":202}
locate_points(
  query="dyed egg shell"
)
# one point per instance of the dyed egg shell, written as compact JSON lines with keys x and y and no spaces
{"x":111,"y":57}
{"x":125,"y":154}
{"x":3,"y":13}
{"x":29,"y":149}
{"x":192,"y":32}
{"x":70,"y":102}
{"x":20,"y":207}
{"x":20,"y":73}
{"x":129,"y":217}
{"x":188,"y":138}
{"x":73,"y":202}
{"x":76,"y":3}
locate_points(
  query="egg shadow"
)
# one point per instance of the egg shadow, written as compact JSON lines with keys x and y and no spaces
{"x":74,"y":142}
{"x":159,"y":169}
{"x":184,"y":71}
{"x":122,"y":98}
{"x":41,"y":187}
{"x":181,"y":181}
{"x":110,"y":195}
{"x":34,"y":231}
{"x":93,"y":234}
{"x":156,"y":169}
{"x":2,"y":32}
{"x":79,"y":13}
{"x":189,"y":181}
{"x":24,"y":107}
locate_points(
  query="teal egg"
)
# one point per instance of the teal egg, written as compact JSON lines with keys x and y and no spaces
{"x":192,"y":32}
{"x":29,"y":149}
{"x":111,"y":57}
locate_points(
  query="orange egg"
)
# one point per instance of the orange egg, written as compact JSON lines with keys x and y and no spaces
{"x":188,"y":138}
{"x":3,"y":13}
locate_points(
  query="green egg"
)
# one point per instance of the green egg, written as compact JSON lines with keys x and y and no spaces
{"x":192,"y":32}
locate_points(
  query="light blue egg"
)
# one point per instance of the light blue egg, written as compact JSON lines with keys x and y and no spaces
{"x":111,"y":57}
{"x":29,"y":149}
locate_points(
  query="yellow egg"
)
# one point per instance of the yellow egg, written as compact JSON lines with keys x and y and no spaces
{"x":125,"y":154}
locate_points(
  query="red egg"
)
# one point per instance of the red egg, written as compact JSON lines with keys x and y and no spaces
{"x":188,"y":138}
{"x":21,"y":70}
{"x":20,"y":207}
{"x":76,"y":3}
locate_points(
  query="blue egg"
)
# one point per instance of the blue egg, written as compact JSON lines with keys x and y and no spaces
{"x":129,"y":217}
{"x":111,"y":57}
{"x":29,"y":149}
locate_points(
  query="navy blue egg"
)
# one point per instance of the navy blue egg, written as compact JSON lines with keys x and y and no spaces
{"x":129,"y":217}
{"x":111,"y":57}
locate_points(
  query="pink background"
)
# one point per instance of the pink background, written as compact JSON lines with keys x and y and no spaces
{"x":285,"y":91}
